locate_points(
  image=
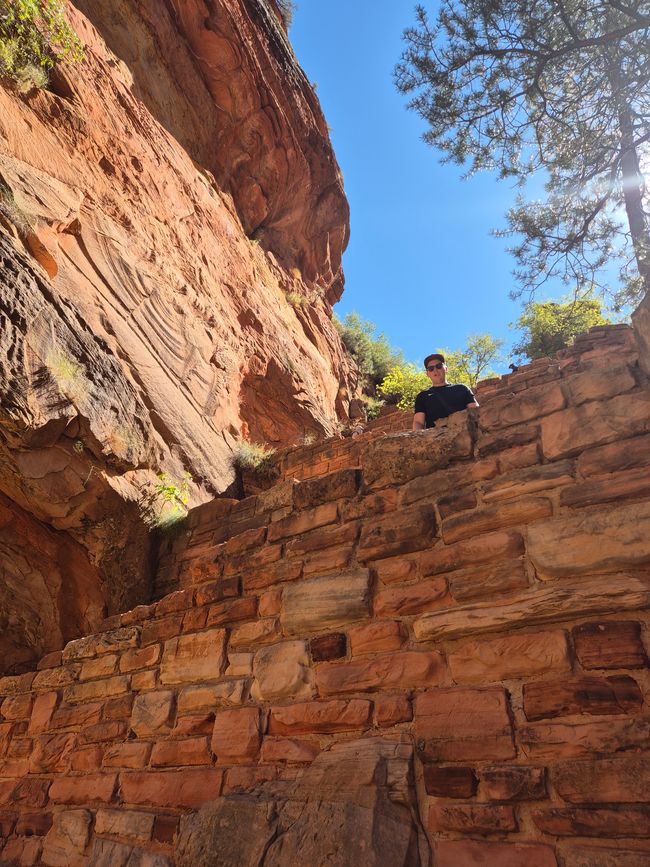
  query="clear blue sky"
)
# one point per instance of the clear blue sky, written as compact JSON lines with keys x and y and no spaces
{"x":421,"y":263}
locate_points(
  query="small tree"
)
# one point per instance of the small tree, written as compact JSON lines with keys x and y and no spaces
{"x":561,"y":86}
{"x":550,"y":326}
{"x":469,"y":365}
{"x":372,"y":352}
{"x":404,"y":382}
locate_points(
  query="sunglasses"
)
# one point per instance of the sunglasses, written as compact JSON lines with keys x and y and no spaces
{"x":438,"y":366}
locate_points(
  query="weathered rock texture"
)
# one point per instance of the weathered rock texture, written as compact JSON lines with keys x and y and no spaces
{"x":178,"y":191}
{"x":444,"y":640}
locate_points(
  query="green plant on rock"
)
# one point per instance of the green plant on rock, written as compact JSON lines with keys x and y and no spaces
{"x":13,"y":212}
{"x":372,"y":405}
{"x":164,"y":504}
{"x":34,"y":35}
{"x":67,"y":373}
{"x":403,"y":382}
{"x":252,"y":456}
{"x":296,"y":300}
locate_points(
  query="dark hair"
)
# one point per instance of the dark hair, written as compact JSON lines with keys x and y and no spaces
{"x":437,"y":355}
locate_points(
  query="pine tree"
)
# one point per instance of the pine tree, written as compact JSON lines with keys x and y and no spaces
{"x":519,"y":86}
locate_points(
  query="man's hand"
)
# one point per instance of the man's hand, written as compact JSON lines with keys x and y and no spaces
{"x":419,"y":421}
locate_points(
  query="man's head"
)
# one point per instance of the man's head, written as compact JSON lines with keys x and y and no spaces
{"x":436,"y":368}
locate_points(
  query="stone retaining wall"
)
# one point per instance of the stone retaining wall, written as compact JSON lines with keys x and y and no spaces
{"x":442,"y":648}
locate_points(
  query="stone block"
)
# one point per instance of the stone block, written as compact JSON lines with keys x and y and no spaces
{"x":290,"y":750}
{"x":450,"y":781}
{"x":76,"y":717}
{"x":439,"y":483}
{"x":282,"y":671}
{"x":610,"y":644}
{"x":96,"y":689}
{"x":319,"y":539}
{"x":320,"y":717}
{"x":529,"y":405}
{"x":253,"y":538}
{"x":425,"y":595}
{"x":17,"y":707}
{"x":67,"y":838}
{"x":400,"y":532}
{"x":395,"y":570}
{"x":133,"y":660}
{"x":461,"y":724}
{"x":378,"y":636}
{"x":56,"y":678}
{"x":189,"y":787}
{"x":232,"y":611}
{"x":217,"y":591}
{"x":472,"y":552}
{"x":82,"y":790}
{"x":236,"y":738}
{"x":623,"y":779}
{"x":87,"y":759}
{"x":592,"y":856}
{"x":487,"y":581}
{"x":530,"y":480}
{"x":161,"y":630}
{"x":52,"y":753}
{"x":113,"y":641}
{"x":325,"y":648}
{"x":329,"y":560}
{"x":567,"y":599}
{"x":239,"y":665}
{"x":593,"y":695}
{"x":513,"y":783}
{"x":178,"y":753}
{"x":390,"y":710}
{"x":194,"y":724}
{"x":502,"y":514}
{"x":573,"y":430}
{"x":210,"y":697}
{"x":30,"y":792}
{"x":152,"y":713}
{"x":628,"y":484}
{"x":302,"y":522}
{"x":101,"y":666}
{"x":405,"y":670}
{"x":332,"y":486}
{"x":188,"y":658}
{"x":619,"y":455}
{"x":125,"y":823}
{"x":471,"y":818}
{"x":325,"y":603}
{"x":251,"y":635}
{"x":592,"y":385}
{"x":252,"y":560}
{"x":270,"y":603}
{"x":132,"y":754}
{"x":515,"y":656}
{"x":180,"y":600}
{"x":555,"y":741}
{"x":581,"y":822}
{"x":454,"y":853}
{"x":32,"y":824}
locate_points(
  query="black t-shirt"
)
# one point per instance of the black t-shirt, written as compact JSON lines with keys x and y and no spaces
{"x":442,"y":400}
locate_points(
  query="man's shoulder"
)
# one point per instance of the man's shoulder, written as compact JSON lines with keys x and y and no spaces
{"x":460,"y":387}
{"x":424,"y":392}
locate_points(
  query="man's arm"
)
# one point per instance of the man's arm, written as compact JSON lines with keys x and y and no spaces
{"x":419,"y":421}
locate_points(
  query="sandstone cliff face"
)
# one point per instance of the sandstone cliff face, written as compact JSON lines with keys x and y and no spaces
{"x":179,"y":183}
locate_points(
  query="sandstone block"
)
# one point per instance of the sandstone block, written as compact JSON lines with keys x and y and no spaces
{"x":592,"y":695}
{"x":329,"y":560}
{"x":556,"y":601}
{"x":194,"y":724}
{"x":56,"y":678}
{"x":397,"y":458}
{"x":217,"y":591}
{"x":96,"y":689}
{"x":333,"y":486}
{"x":52,"y":754}
{"x":239,"y":665}
{"x":176,"y":753}
{"x":406,"y":670}
{"x":75,"y":717}
{"x":132,"y":754}
{"x":453,"y":853}
{"x":590,"y":856}
{"x":87,"y":759}
{"x":324,"y":648}
{"x":32,"y":825}
{"x":368,"y":505}
{"x":513,"y":783}
{"x":471,"y":818}
{"x":530,"y":480}
{"x":180,"y":600}
{"x":451,"y":781}
{"x":189,"y":787}
{"x":161,"y":630}
{"x":408,"y":530}
{"x":378,"y":636}
{"x":514,"y":446}
{"x":624,"y":779}
{"x":282,"y":671}
{"x":115,"y":640}
{"x":592,"y":385}
{"x":237,"y":735}
{"x":483,"y":549}
{"x":463,"y":725}
{"x":396,"y":570}
{"x":193,"y":657}
{"x":194,"y":620}
{"x":488,"y":660}
{"x":503,"y":514}
{"x":610,"y":644}
{"x":320,"y":717}
{"x":270,"y":603}
{"x":391,"y":710}
{"x":144,"y":658}
{"x":143,"y":681}
{"x":438,"y":483}
{"x":415,"y":598}
{"x":16,"y":707}
{"x":619,"y":455}
{"x":102,"y":666}
{"x":567,"y":740}
{"x":579,"y":822}
{"x":67,"y":838}
{"x":324,"y":603}
{"x":253,"y":538}
{"x":533,"y":403}
{"x":517,"y":457}
{"x":83,"y":790}
{"x":251,"y":561}
{"x":254,"y":634}
{"x":232,"y":611}
{"x":290,"y":750}
{"x":124,"y":823}
{"x":152,"y":713}
{"x":484,"y":582}
{"x":319,"y":539}
{"x":592,"y":424}
{"x":30,"y":792}
{"x":196,"y":698}
{"x":302,"y":522}
{"x":266,"y":576}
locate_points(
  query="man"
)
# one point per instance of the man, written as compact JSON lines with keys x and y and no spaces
{"x":442,"y":399}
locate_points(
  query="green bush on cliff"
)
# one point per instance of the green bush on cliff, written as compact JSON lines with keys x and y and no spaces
{"x":34,"y":35}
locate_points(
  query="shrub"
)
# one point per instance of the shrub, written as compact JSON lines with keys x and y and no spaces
{"x":372,"y":405}
{"x":296,"y":300}
{"x":372,"y":352}
{"x":550,"y":326}
{"x":14,"y":213}
{"x":404,"y":381}
{"x":34,"y":35}
{"x":251,"y":456}
{"x":164,"y":504}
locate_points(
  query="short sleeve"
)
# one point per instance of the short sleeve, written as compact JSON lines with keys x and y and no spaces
{"x":420,"y":402}
{"x":469,"y":396}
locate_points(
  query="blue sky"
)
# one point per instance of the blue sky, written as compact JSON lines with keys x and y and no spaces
{"x":421,"y":263}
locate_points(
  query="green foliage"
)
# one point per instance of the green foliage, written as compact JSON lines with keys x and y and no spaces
{"x":34,"y":35}
{"x":404,"y":382}
{"x":372,"y":352}
{"x":14,"y":213}
{"x":296,"y":300}
{"x":164,"y":504}
{"x":251,"y":456}
{"x":518,"y":86}
{"x":468,"y":366}
{"x":372,"y":405}
{"x":550,"y":326}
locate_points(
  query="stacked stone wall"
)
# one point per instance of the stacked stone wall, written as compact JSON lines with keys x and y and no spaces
{"x":469,"y":602}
